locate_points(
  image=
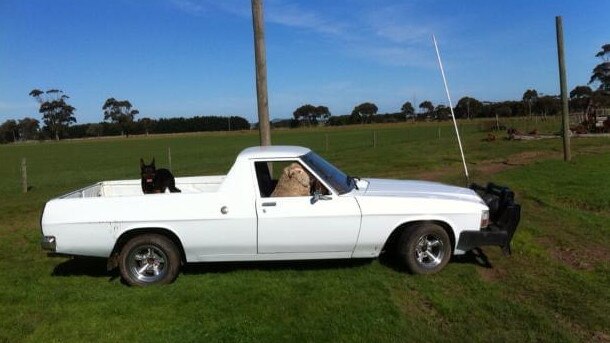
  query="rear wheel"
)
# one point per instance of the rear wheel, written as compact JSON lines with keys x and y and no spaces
{"x":149,"y":259}
{"x":424,"y":248}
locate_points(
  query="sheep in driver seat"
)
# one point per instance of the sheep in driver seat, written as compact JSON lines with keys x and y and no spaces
{"x":294,"y":181}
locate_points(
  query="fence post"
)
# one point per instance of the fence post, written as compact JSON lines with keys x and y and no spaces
{"x":24,"y":176}
{"x":169,"y":157}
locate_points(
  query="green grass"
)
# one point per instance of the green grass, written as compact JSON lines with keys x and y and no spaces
{"x":553,"y":288}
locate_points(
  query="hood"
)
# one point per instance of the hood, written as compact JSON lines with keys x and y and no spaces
{"x":418,"y":189}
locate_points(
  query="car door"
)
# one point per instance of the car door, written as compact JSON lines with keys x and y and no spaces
{"x":302,"y":224}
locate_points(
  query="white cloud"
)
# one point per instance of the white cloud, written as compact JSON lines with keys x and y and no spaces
{"x":276,"y":12}
{"x":189,"y":6}
{"x":401,"y":56}
{"x":401,"y":33}
{"x":393,"y":34}
{"x":400,"y":24}
{"x":292,"y":15}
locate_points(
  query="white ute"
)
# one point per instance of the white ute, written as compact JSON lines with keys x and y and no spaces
{"x":234,"y":218}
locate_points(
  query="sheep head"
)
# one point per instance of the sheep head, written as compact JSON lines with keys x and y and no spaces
{"x":296,"y":172}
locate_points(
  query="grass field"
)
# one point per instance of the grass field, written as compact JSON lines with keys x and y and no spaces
{"x":555,"y":286}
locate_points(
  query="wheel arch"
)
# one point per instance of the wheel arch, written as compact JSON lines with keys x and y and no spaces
{"x":131,"y":233}
{"x":391,"y":241}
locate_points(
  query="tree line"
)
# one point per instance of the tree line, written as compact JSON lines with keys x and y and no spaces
{"x":119,"y":115}
{"x":161,"y":125}
{"x":119,"y":120}
{"x":583,"y":99}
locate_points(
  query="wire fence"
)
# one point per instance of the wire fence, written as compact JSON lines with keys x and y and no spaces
{"x":204,"y":154}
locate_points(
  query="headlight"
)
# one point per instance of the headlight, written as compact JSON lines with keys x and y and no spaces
{"x":484,"y":218}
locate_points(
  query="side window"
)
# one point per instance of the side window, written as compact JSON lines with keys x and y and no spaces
{"x":286,"y":179}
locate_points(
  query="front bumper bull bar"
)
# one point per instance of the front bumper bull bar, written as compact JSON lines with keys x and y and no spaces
{"x":504,"y":215}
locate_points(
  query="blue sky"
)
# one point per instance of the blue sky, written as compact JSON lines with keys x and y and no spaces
{"x":195,"y":57}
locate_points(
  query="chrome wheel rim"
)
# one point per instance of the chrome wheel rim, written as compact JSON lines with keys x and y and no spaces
{"x":147,"y":263}
{"x":429,"y":251}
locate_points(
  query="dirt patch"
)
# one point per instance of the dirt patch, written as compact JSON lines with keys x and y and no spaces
{"x":527,"y":157}
{"x":582,"y":259}
{"x":523,"y":158}
{"x":577,"y":257}
{"x":492,"y":274}
{"x":489,"y":167}
{"x":582,"y":332}
{"x":600,"y":337}
{"x":433,"y":175}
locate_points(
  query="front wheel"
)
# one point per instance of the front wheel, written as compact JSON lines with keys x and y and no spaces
{"x":424,"y":248}
{"x":149,"y":259}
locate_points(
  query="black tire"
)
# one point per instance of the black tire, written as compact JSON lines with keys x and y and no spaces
{"x":424,"y":248}
{"x":149,"y":259}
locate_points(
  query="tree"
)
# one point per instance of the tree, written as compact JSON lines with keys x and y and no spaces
{"x":323,"y":112}
{"x":468,"y":107}
{"x":305,"y":113}
{"x":310,"y":113}
{"x":147,"y":124}
{"x":9,"y":131}
{"x":580,"y":97}
{"x":601,"y":72}
{"x":529,"y":97}
{"x":548,"y":105}
{"x":407,"y":110}
{"x":427,"y":106}
{"x":581,"y":92}
{"x":94,"y":130}
{"x":442,"y":112}
{"x":28,"y":128}
{"x":364,"y":112}
{"x":57,"y":114}
{"x":503,"y":111}
{"x":119,"y":112}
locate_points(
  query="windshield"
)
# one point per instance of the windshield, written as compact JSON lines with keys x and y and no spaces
{"x":331,"y":174}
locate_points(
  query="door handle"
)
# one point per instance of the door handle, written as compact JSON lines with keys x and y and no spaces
{"x":267,"y":204}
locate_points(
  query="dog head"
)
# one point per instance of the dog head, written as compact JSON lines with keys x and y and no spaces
{"x":148,"y":172}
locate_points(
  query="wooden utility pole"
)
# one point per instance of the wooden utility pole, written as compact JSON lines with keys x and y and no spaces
{"x":567,"y":154}
{"x":260,"y":58}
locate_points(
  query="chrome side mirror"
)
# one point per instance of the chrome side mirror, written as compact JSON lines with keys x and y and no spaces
{"x":319,"y":196}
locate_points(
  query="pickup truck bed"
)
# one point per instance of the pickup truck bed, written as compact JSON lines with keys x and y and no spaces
{"x":125,"y":188}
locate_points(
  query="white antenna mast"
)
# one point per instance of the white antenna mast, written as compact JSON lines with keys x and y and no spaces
{"x":440,"y":63}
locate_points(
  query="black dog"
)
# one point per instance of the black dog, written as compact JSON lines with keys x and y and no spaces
{"x":156,"y":180}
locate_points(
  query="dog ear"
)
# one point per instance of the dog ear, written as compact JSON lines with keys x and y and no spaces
{"x":141,"y":163}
